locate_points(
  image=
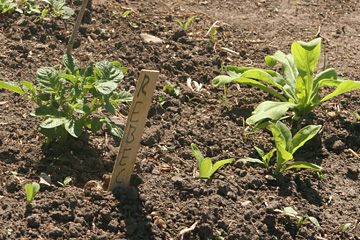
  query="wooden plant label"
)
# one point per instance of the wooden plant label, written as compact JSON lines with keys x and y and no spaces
{"x":135,"y":123}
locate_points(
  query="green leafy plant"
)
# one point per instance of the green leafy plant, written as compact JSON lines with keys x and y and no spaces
{"x":66,"y":182}
{"x":343,"y":227}
{"x":185,"y":25}
{"x":32,"y":8}
{"x":9,"y":6}
{"x":300,"y":88}
{"x":31,"y":190}
{"x":171,"y":89}
{"x":321,"y":176}
{"x":67,"y":97}
{"x":357,"y":116}
{"x":286,"y":146}
{"x":59,"y":9}
{"x":212,"y":33}
{"x":300,"y":220}
{"x":206,"y":168}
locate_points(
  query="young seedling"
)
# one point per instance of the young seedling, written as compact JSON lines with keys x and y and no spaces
{"x":66,"y":182}
{"x":9,"y":6}
{"x":343,"y":227}
{"x":300,"y":87}
{"x":300,"y":220}
{"x":357,"y":116}
{"x":212,"y":33}
{"x":68,"y":97}
{"x":286,"y":146}
{"x":185,"y":25}
{"x":321,"y":176}
{"x":171,"y":89}
{"x":206,"y":168}
{"x":31,"y":190}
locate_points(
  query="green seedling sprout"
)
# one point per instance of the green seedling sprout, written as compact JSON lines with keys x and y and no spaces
{"x":286,"y":146}
{"x":66,"y":182}
{"x":171,"y":89}
{"x":357,"y":116}
{"x":206,"y":168}
{"x":185,"y":25}
{"x":343,"y":227}
{"x":67,"y":97}
{"x":31,"y":190}
{"x":300,"y":220}
{"x":321,"y":176}
{"x":299,"y":87}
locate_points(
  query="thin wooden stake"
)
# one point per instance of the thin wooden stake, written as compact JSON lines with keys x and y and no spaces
{"x":76,"y":27}
{"x":135,"y":124}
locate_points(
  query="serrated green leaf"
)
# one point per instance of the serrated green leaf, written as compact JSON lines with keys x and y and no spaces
{"x":70,"y":64}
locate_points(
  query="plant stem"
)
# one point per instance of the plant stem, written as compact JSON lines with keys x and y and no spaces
{"x":76,"y":27}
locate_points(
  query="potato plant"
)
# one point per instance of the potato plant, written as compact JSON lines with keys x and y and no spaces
{"x":67,"y":97}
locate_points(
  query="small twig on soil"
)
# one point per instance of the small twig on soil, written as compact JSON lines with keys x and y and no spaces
{"x":76,"y":27}
{"x":185,"y":230}
{"x":354,"y":153}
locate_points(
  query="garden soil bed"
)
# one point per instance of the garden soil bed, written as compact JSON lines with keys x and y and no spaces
{"x":166,"y":195}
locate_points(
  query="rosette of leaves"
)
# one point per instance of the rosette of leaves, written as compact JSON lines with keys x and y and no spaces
{"x":68,"y":97}
{"x":298,"y":87}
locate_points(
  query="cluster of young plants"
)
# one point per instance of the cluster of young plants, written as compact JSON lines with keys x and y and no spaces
{"x":289,"y":211}
{"x":68,"y":96}
{"x":30,"y":7}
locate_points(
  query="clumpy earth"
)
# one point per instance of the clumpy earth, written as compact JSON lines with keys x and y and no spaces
{"x":166,"y":196}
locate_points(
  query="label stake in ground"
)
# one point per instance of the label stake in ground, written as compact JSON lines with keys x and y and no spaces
{"x":136,"y":120}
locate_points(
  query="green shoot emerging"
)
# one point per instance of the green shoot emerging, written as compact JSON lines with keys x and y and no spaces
{"x":185,"y":25}
{"x":31,"y":190}
{"x":300,"y":220}
{"x":286,"y":146}
{"x":206,"y":168}
{"x":66,"y":182}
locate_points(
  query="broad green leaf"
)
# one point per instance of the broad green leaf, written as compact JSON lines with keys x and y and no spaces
{"x":81,"y":108}
{"x":252,"y":160}
{"x":279,"y":138}
{"x":262,"y":86}
{"x":282,"y":157}
{"x":48,"y":78}
{"x":327,"y":74}
{"x":268,"y":156}
{"x":107,"y":71}
{"x":290,"y":210}
{"x":285,"y":131}
{"x":288,"y":67}
{"x":198,"y":155}
{"x":74,"y":127}
{"x":269,"y":110}
{"x":28,"y":85}
{"x":221,"y":80}
{"x":67,"y":12}
{"x":304,"y":135}
{"x":302,"y":165}
{"x":106,"y":88}
{"x":57,"y":4}
{"x":53,"y":122}
{"x":29,"y":193}
{"x":236,"y":72}
{"x":117,"y":64}
{"x":95,"y":124}
{"x":342,"y":88}
{"x":260,"y":74}
{"x":123,"y":96}
{"x":314,"y":221}
{"x":260,"y":151}
{"x":114,"y":129}
{"x":70,"y":64}
{"x":45,"y":111}
{"x":51,"y":132}
{"x":108,"y":105}
{"x":205,"y":169}
{"x":12,"y":86}
{"x":36,"y":188}
{"x":218,"y":164}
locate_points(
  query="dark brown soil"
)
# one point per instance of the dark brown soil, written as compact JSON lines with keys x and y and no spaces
{"x":239,"y":201}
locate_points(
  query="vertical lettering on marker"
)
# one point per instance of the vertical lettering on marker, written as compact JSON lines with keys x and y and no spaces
{"x":133,"y":115}
{"x":143,"y":85}
{"x":131,"y":134}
